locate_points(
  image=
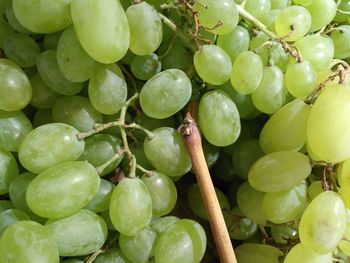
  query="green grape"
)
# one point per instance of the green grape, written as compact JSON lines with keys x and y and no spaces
{"x":300,"y":79}
{"x":344,"y":5}
{"x":212,"y":64}
{"x":145,"y":67}
{"x":279,"y":171}
{"x":235,"y":42}
{"x":6,"y":204}
{"x":224,"y":169}
{"x":139,"y":153}
{"x":270,"y":94}
{"x":195,"y":201}
{"x":255,"y":44}
{"x":323,"y":223}
{"x":244,"y":155}
{"x":284,"y":206}
{"x":303,"y":2}
{"x":300,"y":254}
{"x":42,"y":16}
{"x":63,"y":189}
{"x":28,"y":241}
{"x":3,"y":5}
{"x":211,"y":153}
{"x":163,"y":193}
{"x":178,"y":57}
{"x":51,"y":40}
{"x":138,"y":248}
{"x":279,"y":57}
{"x":171,"y":87}
{"x":167,"y":152}
{"x":286,"y":128}
{"x":239,"y":227}
{"x":21,"y":49}
{"x":131,"y":206}
{"x":322,"y":12}
{"x":15,"y":88}
{"x":43,"y":97}
{"x":315,"y":188}
{"x":100,"y":202}
{"x":80,"y":234}
{"x":11,"y":216}
{"x":5,"y":31}
{"x":341,"y":38}
{"x":159,"y":225}
{"x":261,"y":253}
{"x":247,"y":72}
{"x":51,"y":74}
{"x":112,"y":255}
{"x":317,"y":49}
{"x":344,"y":181}
{"x":284,"y":233}
{"x":344,"y":246}
{"x":48,"y":145}
{"x":269,"y":19}
{"x":14,"y":23}
{"x":9,"y":170}
{"x":249,"y":201}
{"x":330,"y":110}
{"x":145,"y":28}
{"x":75,"y":64}
{"x":42,"y":117}
{"x":76,"y":111}
{"x":218,"y":17}
{"x":293,"y":22}
{"x":14,"y":128}
{"x":107,"y":89}
{"x":257,"y":8}
{"x":102,"y":28}
{"x":218,"y":118}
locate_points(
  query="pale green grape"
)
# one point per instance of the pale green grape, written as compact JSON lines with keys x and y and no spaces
{"x":111,"y":255}
{"x":63,"y":189}
{"x":279,"y":171}
{"x":256,"y":42}
{"x":344,"y":246}
{"x":218,"y":118}
{"x":341,"y":39}
{"x":269,"y":19}
{"x":43,"y":97}
{"x":13,"y":21}
{"x":344,"y":5}
{"x":257,"y":8}
{"x":238,"y":225}
{"x":300,"y":78}
{"x":322,"y":12}
{"x":235,"y":42}
{"x":159,"y":225}
{"x":9,"y":170}
{"x":41,"y":16}
{"x":79,"y":234}
{"x":11,"y":216}
{"x":145,"y":28}
{"x":270,"y":94}
{"x":247,"y":72}
{"x":50,"y":73}
{"x":145,"y":67}
{"x":344,"y":181}
{"x":42,"y":117}
{"x":15,"y":126}
{"x":102,"y":28}
{"x":279,"y":57}
{"x":138,"y":248}
{"x":212,"y":64}
{"x":131,"y":206}
{"x":300,"y":254}
{"x":171,"y":87}
{"x":167,"y":152}
{"x":286,"y":128}
{"x":75,"y":64}
{"x":303,"y":2}
{"x":15,"y":88}
{"x":5,"y":31}
{"x":315,"y":188}
{"x":29,"y":242}
{"x":323,"y":223}
{"x":48,"y":145}
{"x":330,"y":110}
{"x":100,"y":202}
{"x":323,"y":75}
{"x":248,"y":253}
{"x":293,"y":23}
{"x":212,"y":12}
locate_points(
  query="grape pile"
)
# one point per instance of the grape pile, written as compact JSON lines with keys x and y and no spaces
{"x":94,"y":169}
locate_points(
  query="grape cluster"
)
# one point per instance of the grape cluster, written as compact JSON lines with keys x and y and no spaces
{"x":94,"y":169}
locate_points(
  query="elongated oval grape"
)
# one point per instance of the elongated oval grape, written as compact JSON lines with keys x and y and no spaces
{"x":293,"y":23}
{"x":173,"y":89}
{"x":102,"y":28}
{"x":75,"y":64}
{"x":43,"y":97}
{"x":131,"y":206}
{"x":100,"y":201}
{"x":247,"y":72}
{"x":258,"y":8}
{"x":48,"y":145}
{"x":300,"y":254}
{"x":219,"y":118}
{"x":212,"y":13}
{"x":145,"y":28}
{"x":341,"y":38}
{"x":322,"y":12}
{"x":11,"y":216}
{"x":79,"y":234}
{"x":145,"y":67}
{"x":330,"y":110}
{"x":279,"y":171}
{"x":15,"y":88}
{"x":159,"y":225}
{"x":167,"y":152}
{"x":270,"y":94}
{"x":9,"y":170}
{"x":28,"y":241}
{"x":63,"y":189}
{"x":323,"y":223}
{"x":212,"y":64}
{"x":14,"y":127}
{"x":261,"y":253}
{"x":286,"y":129}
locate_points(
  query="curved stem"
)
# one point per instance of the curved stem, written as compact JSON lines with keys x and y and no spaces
{"x":102,"y":167}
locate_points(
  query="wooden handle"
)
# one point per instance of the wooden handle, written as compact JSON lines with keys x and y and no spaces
{"x":192,"y":138}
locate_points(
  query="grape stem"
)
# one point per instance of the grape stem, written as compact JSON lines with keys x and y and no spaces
{"x":193,"y":142}
{"x":102,"y":167}
{"x":94,"y":256}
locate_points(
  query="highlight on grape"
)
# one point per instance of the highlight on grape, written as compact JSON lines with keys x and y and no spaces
{"x":93,"y":167}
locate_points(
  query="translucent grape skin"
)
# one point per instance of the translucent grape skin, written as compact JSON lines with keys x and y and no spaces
{"x":9,"y":170}
{"x":145,"y":67}
{"x":100,"y":201}
{"x":341,"y":38}
{"x":322,"y":12}
{"x":11,"y":216}
{"x":300,"y":254}
{"x":258,"y":8}
{"x":261,"y":253}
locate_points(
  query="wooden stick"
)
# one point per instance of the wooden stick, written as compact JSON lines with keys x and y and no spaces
{"x":192,"y":138}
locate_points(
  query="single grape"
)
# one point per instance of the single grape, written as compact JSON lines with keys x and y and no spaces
{"x":159,"y":225}
{"x":261,"y":253}
{"x":145,"y":67}
{"x":322,"y":12}
{"x":9,"y":170}
{"x":341,"y":38}
{"x":344,"y":5}
{"x":299,"y":253}
{"x":258,"y":8}
{"x":13,"y":21}
{"x":100,"y":201}
{"x":238,"y":225}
